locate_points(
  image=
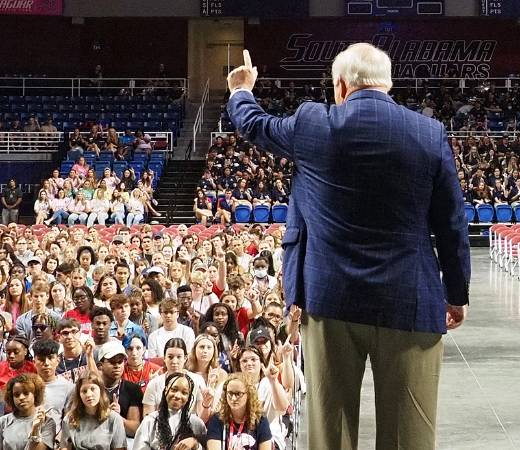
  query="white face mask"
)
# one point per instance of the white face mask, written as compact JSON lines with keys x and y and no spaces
{"x":260,"y":273}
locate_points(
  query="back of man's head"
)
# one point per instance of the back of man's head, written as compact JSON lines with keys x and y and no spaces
{"x":362,"y":65}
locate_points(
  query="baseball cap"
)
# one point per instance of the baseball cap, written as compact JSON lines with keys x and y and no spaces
{"x":110,"y":349}
{"x":34,"y":259}
{"x":199,"y":266}
{"x":118,"y":238}
{"x":259,"y":333}
{"x":155,"y":269}
{"x":157,"y":235}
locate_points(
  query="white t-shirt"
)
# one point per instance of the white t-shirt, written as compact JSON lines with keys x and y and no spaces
{"x":157,"y":339}
{"x":146,"y":437}
{"x":153,"y":394}
{"x":278,"y":429}
{"x":202,"y":305}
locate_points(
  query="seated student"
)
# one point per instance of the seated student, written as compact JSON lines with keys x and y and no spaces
{"x":18,"y":360}
{"x":122,"y":328}
{"x":169,"y":310}
{"x":125,"y":397}
{"x":172,"y":425}
{"x":102,"y":319}
{"x":175,"y":357}
{"x":57,"y":389}
{"x":39,"y":295}
{"x":84,"y":301}
{"x":28,"y":427}
{"x":137,"y":370}
{"x":240,"y":422}
{"x":225,"y":208}
{"x":91,"y":423}
{"x":73,"y":360}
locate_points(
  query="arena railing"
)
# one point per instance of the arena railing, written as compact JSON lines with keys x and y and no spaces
{"x":480,"y":84}
{"x":76,"y":87}
{"x":199,"y":120}
{"x":155,"y":136}
{"x":478,"y":134}
{"x":30,"y":142}
{"x":43,"y":141}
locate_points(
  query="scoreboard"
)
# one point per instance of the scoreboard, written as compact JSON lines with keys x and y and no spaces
{"x":394,"y":8}
{"x":500,"y":8}
{"x":254,"y":8}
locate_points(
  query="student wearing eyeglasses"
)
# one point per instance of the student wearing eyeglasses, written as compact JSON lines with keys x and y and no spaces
{"x":39,"y":295}
{"x":240,"y":422}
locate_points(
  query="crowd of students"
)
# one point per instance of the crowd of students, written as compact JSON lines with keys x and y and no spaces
{"x":155,"y":340}
{"x":239,"y":173}
{"x":85,"y":199}
{"x":488,"y":169}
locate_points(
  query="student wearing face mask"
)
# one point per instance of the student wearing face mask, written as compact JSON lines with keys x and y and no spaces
{"x":262,"y":281}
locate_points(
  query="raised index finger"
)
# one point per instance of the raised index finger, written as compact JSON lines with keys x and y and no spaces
{"x":247,"y":59}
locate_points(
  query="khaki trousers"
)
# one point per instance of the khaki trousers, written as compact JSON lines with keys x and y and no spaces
{"x":406,"y":367}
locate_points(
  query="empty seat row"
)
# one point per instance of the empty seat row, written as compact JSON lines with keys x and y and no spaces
{"x":486,"y":213}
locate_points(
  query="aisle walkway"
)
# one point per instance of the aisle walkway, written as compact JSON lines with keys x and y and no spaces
{"x":479,"y":399}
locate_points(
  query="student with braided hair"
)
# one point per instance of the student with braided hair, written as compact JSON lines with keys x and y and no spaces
{"x":172,"y":427}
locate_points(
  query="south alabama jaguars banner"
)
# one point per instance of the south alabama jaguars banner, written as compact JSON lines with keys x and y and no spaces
{"x":467,"y":48}
{"x":32,"y":7}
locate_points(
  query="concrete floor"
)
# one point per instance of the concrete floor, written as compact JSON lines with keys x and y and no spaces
{"x":479,"y":397}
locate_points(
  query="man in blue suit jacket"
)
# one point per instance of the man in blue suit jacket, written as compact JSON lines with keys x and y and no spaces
{"x":372,"y":181}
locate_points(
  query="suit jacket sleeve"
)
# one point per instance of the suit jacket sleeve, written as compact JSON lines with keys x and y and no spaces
{"x":263,"y":129}
{"x":449,"y":224}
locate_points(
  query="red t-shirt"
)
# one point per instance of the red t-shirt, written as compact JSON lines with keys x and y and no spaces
{"x":141,"y":377}
{"x":242,"y":320}
{"x":6,"y":372}
{"x":218,"y":292}
{"x":252,"y":250}
{"x":83,"y":319}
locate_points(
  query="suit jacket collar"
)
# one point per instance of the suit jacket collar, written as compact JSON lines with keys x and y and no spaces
{"x":370,"y":93}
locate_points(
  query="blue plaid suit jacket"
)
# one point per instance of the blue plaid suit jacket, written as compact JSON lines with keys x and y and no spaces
{"x":372,"y":180}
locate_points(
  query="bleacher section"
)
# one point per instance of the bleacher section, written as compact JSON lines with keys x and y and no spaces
{"x":149,"y":113}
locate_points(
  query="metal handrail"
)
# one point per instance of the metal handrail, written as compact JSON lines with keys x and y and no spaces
{"x":96,"y":85}
{"x":499,"y":83}
{"x":154,"y":135}
{"x":189,"y":148}
{"x":30,"y":141}
{"x":199,"y":119}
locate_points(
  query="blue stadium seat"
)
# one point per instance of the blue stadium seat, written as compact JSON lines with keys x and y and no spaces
{"x":485,"y":213}
{"x":158,"y":156}
{"x":119,"y":167}
{"x":140,"y":157}
{"x":138,"y":116}
{"x":152,"y":126}
{"x":66,"y":166}
{"x":504,"y":213}
{"x":137,"y":166}
{"x":261,"y":214}
{"x":242,"y":214}
{"x":279,"y":213}
{"x":470,"y":212}
{"x":107,"y":157}
{"x":118,"y":125}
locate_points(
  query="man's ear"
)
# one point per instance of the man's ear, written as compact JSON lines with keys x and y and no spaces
{"x":343,"y":88}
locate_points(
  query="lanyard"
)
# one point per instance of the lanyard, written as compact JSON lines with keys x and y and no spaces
{"x":232,"y":433}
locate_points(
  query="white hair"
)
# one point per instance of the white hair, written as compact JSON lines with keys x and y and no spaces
{"x":363,"y":65}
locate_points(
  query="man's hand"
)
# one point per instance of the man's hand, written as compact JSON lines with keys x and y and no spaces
{"x":455,"y":315}
{"x":243,"y":77}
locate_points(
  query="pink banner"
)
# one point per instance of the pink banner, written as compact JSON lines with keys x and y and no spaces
{"x":32,"y":7}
